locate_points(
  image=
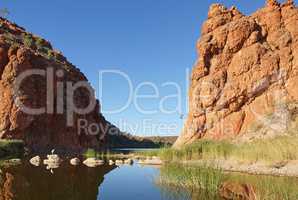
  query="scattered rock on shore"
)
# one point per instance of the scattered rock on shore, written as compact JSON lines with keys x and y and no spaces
{"x":119,"y":162}
{"x":35,"y":161}
{"x":93,"y":162}
{"x":75,"y":161}
{"x":52,"y":159}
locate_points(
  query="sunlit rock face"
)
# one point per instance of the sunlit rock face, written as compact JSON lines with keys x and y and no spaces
{"x":246,"y":73}
{"x":57,"y":126}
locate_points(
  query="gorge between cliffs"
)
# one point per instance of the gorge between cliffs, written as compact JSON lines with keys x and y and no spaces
{"x":231,"y":136}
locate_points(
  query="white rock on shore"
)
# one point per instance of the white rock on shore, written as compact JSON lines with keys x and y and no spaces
{"x":75,"y":161}
{"x":93,"y":162}
{"x":35,"y":161}
{"x":119,"y":162}
{"x":52,"y":159}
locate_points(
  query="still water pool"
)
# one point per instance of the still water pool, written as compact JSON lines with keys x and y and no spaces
{"x":136,"y":182}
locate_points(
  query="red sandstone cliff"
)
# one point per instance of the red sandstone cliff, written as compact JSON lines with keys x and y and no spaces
{"x":20,"y":52}
{"x":246,"y":74}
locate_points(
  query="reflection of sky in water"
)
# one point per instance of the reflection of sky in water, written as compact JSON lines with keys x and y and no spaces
{"x":134,"y":183}
{"x":28,"y":182}
{"x":66,"y":182}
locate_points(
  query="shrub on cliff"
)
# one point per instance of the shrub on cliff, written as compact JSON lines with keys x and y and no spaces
{"x":39,"y":43}
{"x":9,"y":38}
{"x":51,"y":55}
{"x":28,"y":40}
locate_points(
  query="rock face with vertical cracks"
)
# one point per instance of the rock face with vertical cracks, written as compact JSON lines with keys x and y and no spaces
{"x":47,"y":89}
{"x":246,"y":73}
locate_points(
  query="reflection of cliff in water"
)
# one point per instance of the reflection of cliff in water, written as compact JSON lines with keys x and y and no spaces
{"x":35,"y":183}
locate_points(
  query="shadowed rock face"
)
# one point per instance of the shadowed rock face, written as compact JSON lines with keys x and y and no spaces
{"x":21,"y":52}
{"x":247,"y":69}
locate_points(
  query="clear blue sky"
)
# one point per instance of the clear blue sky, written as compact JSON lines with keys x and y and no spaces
{"x":149,"y":40}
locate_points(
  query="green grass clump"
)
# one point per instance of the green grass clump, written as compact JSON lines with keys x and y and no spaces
{"x":268,"y":187}
{"x":11,"y":148}
{"x":204,"y":149}
{"x":268,"y":150}
{"x":203,"y":178}
{"x":206,"y":182}
{"x":90,"y":153}
{"x":271,"y":150}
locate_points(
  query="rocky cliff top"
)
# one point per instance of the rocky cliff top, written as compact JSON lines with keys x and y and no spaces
{"x":245,"y":74}
{"x":15,"y":36}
